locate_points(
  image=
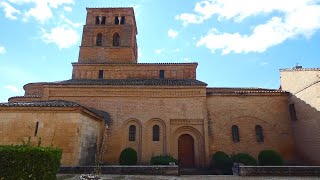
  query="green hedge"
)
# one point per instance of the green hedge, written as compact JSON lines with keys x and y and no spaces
{"x":221,"y":163}
{"x":270,"y":158}
{"x":245,"y":159}
{"x":128,"y":157}
{"x":162,"y":160}
{"x":28,"y":162}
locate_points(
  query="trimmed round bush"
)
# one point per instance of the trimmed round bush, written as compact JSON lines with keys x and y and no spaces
{"x":162,"y":160}
{"x":221,"y":163}
{"x":245,"y":159}
{"x":270,"y":158}
{"x":128,"y":157}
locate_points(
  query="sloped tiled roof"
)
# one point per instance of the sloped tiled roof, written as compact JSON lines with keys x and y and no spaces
{"x":50,"y":103}
{"x":236,"y":90}
{"x":300,"y":69}
{"x":57,"y":103}
{"x":27,"y":96}
{"x":129,"y":82}
{"x":132,"y":63}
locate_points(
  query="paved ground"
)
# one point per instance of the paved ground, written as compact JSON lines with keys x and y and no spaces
{"x":183,"y":177}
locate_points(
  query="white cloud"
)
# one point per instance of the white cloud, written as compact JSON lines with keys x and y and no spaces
{"x":263,"y":63}
{"x":293,"y":18}
{"x":172,"y":33}
{"x":189,"y":19}
{"x":75,"y":25}
{"x":13,"y":88}
{"x":177,"y":50}
{"x":9,"y":11}
{"x":67,"y":8}
{"x":2,"y":50}
{"x":56,"y":3}
{"x":62,"y":36}
{"x":159,"y":51}
{"x":41,"y":10}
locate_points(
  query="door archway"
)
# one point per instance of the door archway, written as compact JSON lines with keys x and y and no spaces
{"x":186,"y":151}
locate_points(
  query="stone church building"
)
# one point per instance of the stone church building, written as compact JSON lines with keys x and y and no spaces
{"x":159,"y":108}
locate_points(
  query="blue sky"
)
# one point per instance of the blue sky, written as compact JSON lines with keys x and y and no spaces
{"x":236,"y":43}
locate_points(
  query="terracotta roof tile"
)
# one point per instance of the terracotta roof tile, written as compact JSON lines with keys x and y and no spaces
{"x":58,"y":103}
{"x":27,"y":96}
{"x":300,"y":69}
{"x":237,"y":90}
{"x":128,"y":82}
{"x":131,"y":63}
{"x":51,"y":103}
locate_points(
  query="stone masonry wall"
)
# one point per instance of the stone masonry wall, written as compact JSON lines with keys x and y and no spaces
{"x":304,"y":87}
{"x":126,"y":51}
{"x":163,"y":107}
{"x":58,"y":128}
{"x":101,"y":54}
{"x":90,"y":139}
{"x":54,"y":127}
{"x":247,"y":111}
{"x":143,"y":71}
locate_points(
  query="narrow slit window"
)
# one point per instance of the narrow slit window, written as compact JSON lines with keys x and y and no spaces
{"x":36,"y":129}
{"x":259,"y":134}
{"x":99,"y":39}
{"x":292,"y":111}
{"x":235,"y":134}
{"x":123,"y":19}
{"x":132,"y":133}
{"x":156,"y":133}
{"x":100,"y":74}
{"x":161,"y":74}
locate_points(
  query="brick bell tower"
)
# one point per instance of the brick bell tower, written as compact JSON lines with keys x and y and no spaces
{"x":109,"y":36}
{"x":109,"y":51}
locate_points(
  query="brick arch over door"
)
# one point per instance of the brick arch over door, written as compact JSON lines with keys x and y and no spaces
{"x":154,"y":148}
{"x":199,"y":147}
{"x":137,"y":143}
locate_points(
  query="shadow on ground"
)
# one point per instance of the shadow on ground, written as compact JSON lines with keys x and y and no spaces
{"x":183,"y":177}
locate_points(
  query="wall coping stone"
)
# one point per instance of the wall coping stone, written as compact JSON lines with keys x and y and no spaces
{"x":279,"y":170}
{"x":122,"y":169}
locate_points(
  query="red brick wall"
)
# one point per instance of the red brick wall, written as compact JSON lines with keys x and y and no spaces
{"x":143,"y":71}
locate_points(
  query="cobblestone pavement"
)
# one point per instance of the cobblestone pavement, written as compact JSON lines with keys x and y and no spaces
{"x":183,"y":177}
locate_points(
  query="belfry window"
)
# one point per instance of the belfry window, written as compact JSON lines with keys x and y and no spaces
{"x":99,"y":39}
{"x":259,"y":134}
{"x":161,"y":74}
{"x":235,"y":134}
{"x":97,"y":20}
{"x":116,"y":39}
{"x":100,"y":20}
{"x":292,"y":111}
{"x":123,"y":19}
{"x":116,"y":20}
{"x":132,"y":133}
{"x":100,"y":74}
{"x":156,"y":133}
{"x":103,"y":21}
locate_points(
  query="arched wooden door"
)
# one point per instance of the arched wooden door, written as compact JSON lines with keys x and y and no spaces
{"x":186,"y":151}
